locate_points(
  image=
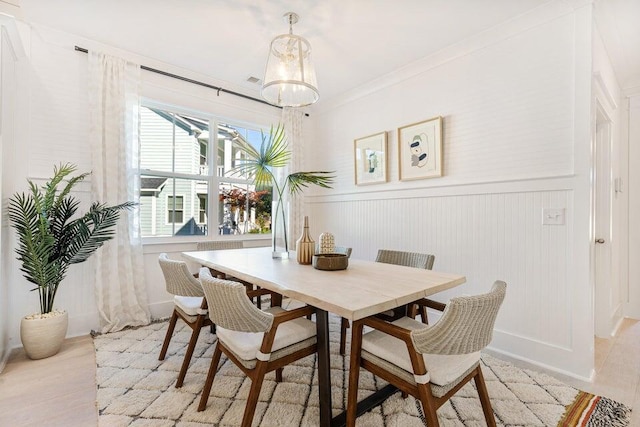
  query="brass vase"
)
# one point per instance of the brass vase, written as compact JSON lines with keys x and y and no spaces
{"x":305,"y":245}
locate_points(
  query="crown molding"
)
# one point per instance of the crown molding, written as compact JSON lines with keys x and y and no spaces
{"x":8,"y":24}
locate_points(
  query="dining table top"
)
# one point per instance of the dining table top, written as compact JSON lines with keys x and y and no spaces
{"x":363,"y":289}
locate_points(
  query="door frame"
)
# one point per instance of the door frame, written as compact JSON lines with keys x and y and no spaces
{"x":604,"y":312}
{"x":605,"y":104}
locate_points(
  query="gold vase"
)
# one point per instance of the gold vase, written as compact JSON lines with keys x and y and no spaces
{"x":305,"y":245}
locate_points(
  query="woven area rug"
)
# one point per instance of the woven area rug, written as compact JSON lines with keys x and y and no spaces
{"x":136,"y":389}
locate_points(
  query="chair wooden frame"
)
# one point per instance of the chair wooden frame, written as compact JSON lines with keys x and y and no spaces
{"x":420,"y":307}
{"x":201,"y":320}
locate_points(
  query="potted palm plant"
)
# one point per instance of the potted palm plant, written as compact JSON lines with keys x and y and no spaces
{"x":262,"y":164}
{"x":50,"y":239}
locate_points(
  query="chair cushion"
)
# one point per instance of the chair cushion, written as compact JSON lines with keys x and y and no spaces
{"x":189,"y":305}
{"x":442,"y":369}
{"x":246,"y":344}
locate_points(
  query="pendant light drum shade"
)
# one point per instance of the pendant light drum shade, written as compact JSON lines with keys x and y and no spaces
{"x":290,"y":79}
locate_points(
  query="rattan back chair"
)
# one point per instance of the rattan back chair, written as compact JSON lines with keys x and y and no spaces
{"x":256,"y":341}
{"x":407,"y":259}
{"x":338,"y":250}
{"x":189,"y":305}
{"x":429,"y":362}
{"x":214,"y":245}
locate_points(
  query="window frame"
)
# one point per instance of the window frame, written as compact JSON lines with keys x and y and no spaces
{"x":212,"y":179}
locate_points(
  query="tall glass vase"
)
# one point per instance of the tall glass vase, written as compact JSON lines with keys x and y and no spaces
{"x":280,"y":229}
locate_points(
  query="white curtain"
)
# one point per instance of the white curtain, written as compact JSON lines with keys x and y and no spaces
{"x":113,"y":107}
{"x":292,"y":122}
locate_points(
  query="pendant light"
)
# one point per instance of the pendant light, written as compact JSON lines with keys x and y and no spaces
{"x":289,"y":79}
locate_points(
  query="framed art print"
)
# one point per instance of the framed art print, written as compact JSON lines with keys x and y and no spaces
{"x":420,"y":150}
{"x":370,"y":154}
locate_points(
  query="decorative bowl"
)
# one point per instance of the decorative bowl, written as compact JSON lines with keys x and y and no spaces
{"x":330,"y":261}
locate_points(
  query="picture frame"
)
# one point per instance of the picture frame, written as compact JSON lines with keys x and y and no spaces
{"x":420,"y":150}
{"x":370,"y":159}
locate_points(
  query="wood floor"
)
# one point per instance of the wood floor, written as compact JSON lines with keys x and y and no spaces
{"x":61,"y":390}
{"x":56,"y":391}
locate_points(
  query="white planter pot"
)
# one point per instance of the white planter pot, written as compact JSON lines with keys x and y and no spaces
{"x":43,"y":337}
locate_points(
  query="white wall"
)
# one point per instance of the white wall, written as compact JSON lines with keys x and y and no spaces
{"x":516,"y":111}
{"x":53,"y":126}
{"x":11,"y":60}
{"x":633,"y":190}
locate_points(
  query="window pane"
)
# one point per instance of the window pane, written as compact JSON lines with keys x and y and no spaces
{"x":243,"y":210}
{"x":173,"y":142}
{"x":172,"y":206}
{"x":231,"y":140}
{"x":202,"y":215}
{"x":175,"y":203}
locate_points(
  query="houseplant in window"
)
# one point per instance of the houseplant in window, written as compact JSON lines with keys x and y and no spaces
{"x":263,"y":165}
{"x":51,"y":238}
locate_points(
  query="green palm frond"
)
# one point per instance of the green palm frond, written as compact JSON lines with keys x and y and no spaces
{"x":51,"y":198}
{"x":36,"y":242}
{"x":259,"y":164}
{"x":274,"y":153}
{"x":61,"y":215}
{"x":70,"y":184}
{"x":297,"y":181}
{"x":93,"y":230}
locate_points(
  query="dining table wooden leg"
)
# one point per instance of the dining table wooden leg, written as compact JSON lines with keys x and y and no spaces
{"x":324,"y":367}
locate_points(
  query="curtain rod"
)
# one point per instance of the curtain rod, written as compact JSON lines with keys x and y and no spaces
{"x":196,"y":82}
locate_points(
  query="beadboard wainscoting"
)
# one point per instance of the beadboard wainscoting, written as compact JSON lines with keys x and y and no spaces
{"x":486,"y":236}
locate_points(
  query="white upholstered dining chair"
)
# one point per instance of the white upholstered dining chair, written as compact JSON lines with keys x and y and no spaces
{"x":256,"y":341}
{"x":214,"y":245}
{"x":407,"y":259}
{"x":189,"y":305}
{"x":429,"y":362}
{"x":217,"y":245}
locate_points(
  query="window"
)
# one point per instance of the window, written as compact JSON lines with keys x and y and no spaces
{"x":187,"y":177}
{"x":202,"y":216}
{"x":175,"y":212}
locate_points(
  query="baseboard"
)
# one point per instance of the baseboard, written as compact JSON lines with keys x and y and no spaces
{"x":616,"y":328}
{"x":4,"y":359}
{"x":161,"y":310}
{"x":559,"y":359}
{"x":632,"y":311}
{"x":536,"y":364}
{"x":82,"y":324}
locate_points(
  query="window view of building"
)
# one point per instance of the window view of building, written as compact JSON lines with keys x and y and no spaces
{"x":185,"y":190}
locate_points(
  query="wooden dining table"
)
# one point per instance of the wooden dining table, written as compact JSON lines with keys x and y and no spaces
{"x":363,"y":289}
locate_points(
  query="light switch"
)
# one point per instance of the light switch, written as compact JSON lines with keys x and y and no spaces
{"x":552,"y":216}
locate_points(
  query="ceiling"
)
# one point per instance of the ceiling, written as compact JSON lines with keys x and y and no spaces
{"x":620,"y":29}
{"x":353,"y":41}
